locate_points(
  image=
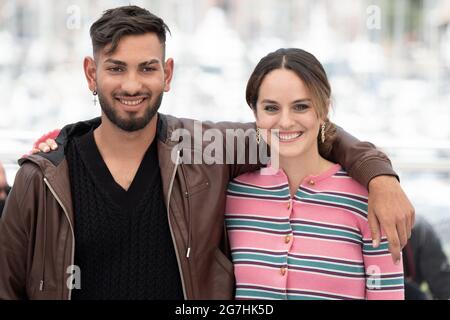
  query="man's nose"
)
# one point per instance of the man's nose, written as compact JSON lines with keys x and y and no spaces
{"x":132,"y":84}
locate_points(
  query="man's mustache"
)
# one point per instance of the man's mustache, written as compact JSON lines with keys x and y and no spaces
{"x":129,"y":95}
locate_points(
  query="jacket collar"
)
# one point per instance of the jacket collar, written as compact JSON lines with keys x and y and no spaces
{"x":80,"y":128}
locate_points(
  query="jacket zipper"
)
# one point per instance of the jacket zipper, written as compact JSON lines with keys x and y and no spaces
{"x":172,"y":179}
{"x":71,"y":228}
{"x":189,"y":213}
{"x":41,"y":284}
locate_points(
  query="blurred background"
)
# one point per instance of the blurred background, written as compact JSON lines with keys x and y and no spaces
{"x":388,"y":64}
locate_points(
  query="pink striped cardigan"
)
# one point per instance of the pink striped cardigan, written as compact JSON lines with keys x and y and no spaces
{"x":316,"y":245}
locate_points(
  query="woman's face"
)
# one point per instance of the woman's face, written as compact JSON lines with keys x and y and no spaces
{"x":285,"y":104}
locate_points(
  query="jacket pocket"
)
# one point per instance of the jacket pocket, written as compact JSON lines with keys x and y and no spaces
{"x":198,"y":188}
{"x":219,"y":281}
{"x":226,"y":264}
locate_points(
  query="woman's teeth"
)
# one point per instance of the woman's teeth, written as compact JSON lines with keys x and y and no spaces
{"x":289,"y":136}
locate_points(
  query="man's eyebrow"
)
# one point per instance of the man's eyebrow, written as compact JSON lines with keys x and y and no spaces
{"x":150,"y":62}
{"x":118,"y":62}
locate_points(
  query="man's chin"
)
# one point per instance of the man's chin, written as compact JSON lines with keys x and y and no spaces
{"x":130,"y":120}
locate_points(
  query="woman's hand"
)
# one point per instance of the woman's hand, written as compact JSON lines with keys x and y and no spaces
{"x":46,"y":143}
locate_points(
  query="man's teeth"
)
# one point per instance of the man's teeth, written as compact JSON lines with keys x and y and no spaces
{"x":289,"y":136}
{"x":131,"y":102}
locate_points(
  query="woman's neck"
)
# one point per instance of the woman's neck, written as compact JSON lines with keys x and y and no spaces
{"x":298,"y":168}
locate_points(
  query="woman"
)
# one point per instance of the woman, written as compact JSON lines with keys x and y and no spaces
{"x":300,"y":231}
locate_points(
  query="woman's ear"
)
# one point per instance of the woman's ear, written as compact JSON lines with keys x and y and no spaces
{"x":329,"y":104}
{"x":255,"y":114}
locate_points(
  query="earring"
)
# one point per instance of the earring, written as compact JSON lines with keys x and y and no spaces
{"x":94,"y":93}
{"x":258,"y":136}
{"x":322,"y":132}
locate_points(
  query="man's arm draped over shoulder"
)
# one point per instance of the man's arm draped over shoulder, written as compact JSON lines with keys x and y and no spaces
{"x":389,"y":207}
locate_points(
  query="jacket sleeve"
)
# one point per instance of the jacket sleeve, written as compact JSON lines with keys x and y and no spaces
{"x":238,"y":145}
{"x":14,"y":241}
{"x":362,"y":160}
{"x":433,"y":264}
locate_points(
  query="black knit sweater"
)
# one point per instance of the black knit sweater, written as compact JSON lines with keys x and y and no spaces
{"x":122,"y":238}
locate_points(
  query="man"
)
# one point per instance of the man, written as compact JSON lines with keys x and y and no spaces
{"x":425,"y":261}
{"x":4,"y":188}
{"x":110,"y":214}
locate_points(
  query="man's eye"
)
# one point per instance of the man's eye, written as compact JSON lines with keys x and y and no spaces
{"x":148,"y":69}
{"x":270,"y":108}
{"x":116,"y":69}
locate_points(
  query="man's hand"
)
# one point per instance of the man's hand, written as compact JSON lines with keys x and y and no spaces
{"x":390,"y":208}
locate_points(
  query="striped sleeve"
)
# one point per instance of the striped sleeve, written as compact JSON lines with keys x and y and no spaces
{"x":384,"y":279}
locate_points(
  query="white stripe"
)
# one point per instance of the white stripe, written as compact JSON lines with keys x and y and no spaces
{"x":235,"y":216}
{"x":257,"y":195}
{"x":356,"y":233}
{"x":238,"y":182}
{"x":329,"y":235}
{"x":259,"y":285}
{"x":356,"y":230}
{"x":340,"y":194}
{"x":258,"y":248}
{"x":362,"y":277}
{"x":330,"y":257}
{"x":323,"y":292}
{"x":324,"y":204}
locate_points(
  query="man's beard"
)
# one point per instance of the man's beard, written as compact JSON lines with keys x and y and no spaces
{"x":132,"y":124}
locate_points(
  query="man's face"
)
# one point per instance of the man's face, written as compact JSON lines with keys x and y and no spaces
{"x":131,"y":81}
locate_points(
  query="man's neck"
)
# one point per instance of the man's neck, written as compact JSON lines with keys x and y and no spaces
{"x":113,"y":141}
{"x":123,"y":151}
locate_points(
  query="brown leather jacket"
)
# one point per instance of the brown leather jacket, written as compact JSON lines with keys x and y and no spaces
{"x":37,"y":241}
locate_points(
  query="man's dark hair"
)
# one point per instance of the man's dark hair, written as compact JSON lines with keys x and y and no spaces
{"x":124,"y":21}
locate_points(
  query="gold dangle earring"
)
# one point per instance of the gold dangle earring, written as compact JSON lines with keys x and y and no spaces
{"x":322,"y":131}
{"x":258,"y":136}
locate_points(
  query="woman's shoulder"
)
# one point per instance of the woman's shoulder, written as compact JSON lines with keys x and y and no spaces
{"x":258,"y":178}
{"x":341,"y":181}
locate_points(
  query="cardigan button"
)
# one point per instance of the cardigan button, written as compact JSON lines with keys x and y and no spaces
{"x":283,"y":271}
{"x":287,"y":239}
{"x":312,"y":182}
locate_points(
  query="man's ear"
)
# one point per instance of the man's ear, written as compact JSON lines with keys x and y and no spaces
{"x":90,"y":69}
{"x":168,"y":74}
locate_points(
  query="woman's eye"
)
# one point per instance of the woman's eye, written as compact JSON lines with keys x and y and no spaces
{"x":270,"y":108}
{"x":301,"y":107}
